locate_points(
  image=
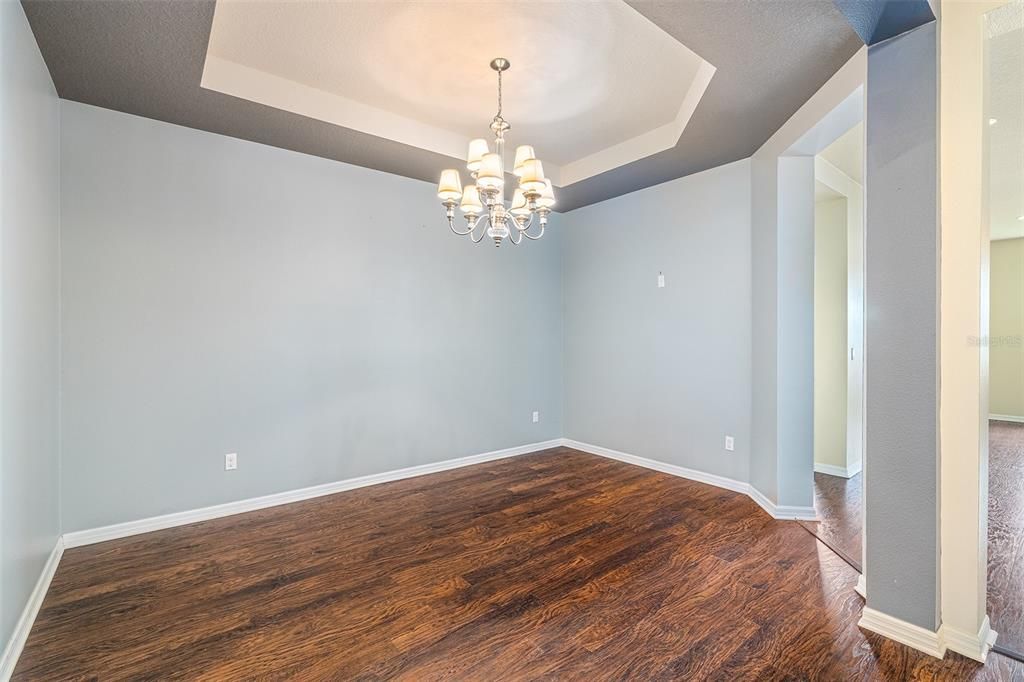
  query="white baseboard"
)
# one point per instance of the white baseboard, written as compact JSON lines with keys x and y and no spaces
{"x":28,"y":615}
{"x":129,"y":528}
{"x":974,"y":645}
{"x":682,"y":472}
{"x":1006,"y":418}
{"x":914,"y":636}
{"x":862,"y":586}
{"x":776,"y":511}
{"x":833,"y":470}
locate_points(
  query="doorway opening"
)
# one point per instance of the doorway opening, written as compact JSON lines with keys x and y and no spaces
{"x":838,"y":345}
{"x":1004,"y":198}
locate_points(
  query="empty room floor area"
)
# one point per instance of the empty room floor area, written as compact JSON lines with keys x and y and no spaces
{"x":553,"y":564}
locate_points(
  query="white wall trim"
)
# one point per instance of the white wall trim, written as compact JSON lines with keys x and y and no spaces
{"x":1006,"y":418}
{"x":972,"y":645}
{"x":129,"y":528}
{"x":861,"y":587}
{"x":28,"y":615}
{"x":833,"y":470}
{"x":776,"y":511}
{"x":914,"y":636}
{"x":682,"y":472}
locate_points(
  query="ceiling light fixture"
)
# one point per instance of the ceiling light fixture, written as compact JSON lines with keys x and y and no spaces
{"x":1021,"y":218}
{"x":483,"y":202}
{"x":993,"y":121}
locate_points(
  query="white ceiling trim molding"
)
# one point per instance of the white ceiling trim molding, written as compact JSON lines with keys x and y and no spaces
{"x":244,"y":82}
{"x":641,"y":146}
{"x":227,"y":77}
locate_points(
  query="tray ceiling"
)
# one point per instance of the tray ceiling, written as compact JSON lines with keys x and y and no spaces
{"x":593,"y":86}
{"x":618,"y":97}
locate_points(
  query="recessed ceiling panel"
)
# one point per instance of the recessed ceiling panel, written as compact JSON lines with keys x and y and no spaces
{"x":593,"y":85}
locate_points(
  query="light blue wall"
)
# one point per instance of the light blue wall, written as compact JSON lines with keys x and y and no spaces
{"x":314,"y":317}
{"x":764,"y":470}
{"x":29,"y":161}
{"x":662,"y":373}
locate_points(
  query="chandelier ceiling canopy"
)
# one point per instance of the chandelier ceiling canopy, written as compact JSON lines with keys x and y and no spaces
{"x":483,"y":202}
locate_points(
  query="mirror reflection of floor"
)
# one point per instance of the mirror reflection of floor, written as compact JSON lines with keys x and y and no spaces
{"x":839,"y":504}
{"x":1006,"y":533}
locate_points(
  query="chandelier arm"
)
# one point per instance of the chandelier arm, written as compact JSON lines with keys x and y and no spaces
{"x":529,"y":236}
{"x":451,"y":225}
{"x":512,"y":231}
{"x":483,"y":233}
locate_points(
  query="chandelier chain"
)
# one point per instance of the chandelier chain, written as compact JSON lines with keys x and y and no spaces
{"x":499,"y":95}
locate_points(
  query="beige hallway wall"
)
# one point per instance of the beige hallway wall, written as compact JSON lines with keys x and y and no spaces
{"x":1006,"y":350}
{"x":830,"y":324}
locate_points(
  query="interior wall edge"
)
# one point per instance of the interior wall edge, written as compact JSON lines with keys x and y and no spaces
{"x":16,"y":642}
{"x":782,"y":512}
{"x":29,"y":313}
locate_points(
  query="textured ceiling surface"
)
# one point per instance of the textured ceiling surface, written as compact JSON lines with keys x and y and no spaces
{"x":146,"y":57}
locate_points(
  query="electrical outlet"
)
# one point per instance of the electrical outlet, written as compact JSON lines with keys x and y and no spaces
{"x":730,"y":444}
{"x":661,"y":281}
{"x":231,"y":461}
{"x":536,"y":416}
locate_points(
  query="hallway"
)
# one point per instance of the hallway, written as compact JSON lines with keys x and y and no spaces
{"x":839,"y":502}
{"x":1006,"y":533}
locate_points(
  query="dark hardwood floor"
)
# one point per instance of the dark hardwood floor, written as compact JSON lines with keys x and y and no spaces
{"x":1006,"y":533}
{"x":557,"y":564}
{"x":840,"y":505}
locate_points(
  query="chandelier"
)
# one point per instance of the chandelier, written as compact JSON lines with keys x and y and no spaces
{"x":483,"y":202}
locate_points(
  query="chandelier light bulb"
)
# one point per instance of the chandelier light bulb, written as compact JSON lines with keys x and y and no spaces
{"x":524,"y":153}
{"x":477,"y":149}
{"x":450,"y":187}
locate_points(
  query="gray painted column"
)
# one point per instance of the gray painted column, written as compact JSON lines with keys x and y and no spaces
{"x":901,"y":289}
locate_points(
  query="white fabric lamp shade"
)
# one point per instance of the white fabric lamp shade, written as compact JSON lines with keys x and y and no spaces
{"x":531,"y":179}
{"x":489,"y":175}
{"x":450,"y":187}
{"x":471,"y":200}
{"x":477,"y":149}
{"x":524,"y":153}
{"x":547,"y":195}
{"x":519,"y":206}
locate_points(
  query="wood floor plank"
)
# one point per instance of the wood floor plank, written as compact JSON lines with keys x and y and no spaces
{"x":556,"y":565}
